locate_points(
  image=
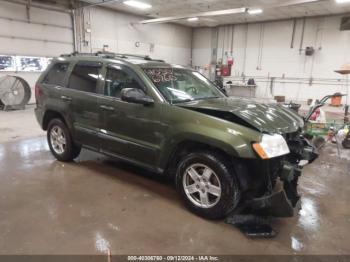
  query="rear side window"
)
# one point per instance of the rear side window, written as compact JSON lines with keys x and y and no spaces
{"x":84,"y":77}
{"x":57,"y":74}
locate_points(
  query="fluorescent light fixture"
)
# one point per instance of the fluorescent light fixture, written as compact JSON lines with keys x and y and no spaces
{"x":203,"y":14}
{"x":192,"y":19}
{"x":342,"y":1}
{"x":255,"y":11}
{"x":137,"y":4}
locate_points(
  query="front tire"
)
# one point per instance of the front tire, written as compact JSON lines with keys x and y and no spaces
{"x":60,"y":141}
{"x":207,"y":184}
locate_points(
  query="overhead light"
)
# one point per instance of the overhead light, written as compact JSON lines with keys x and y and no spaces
{"x":342,"y":1}
{"x":192,"y":19}
{"x":255,"y":11}
{"x":137,"y":4}
{"x":198,"y":15}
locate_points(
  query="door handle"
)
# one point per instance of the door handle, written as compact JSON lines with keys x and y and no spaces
{"x":107,"y":108}
{"x":66,"y":98}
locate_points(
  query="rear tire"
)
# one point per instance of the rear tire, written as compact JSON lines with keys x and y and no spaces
{"x":60,"y":141}
{"x":212,"y":198}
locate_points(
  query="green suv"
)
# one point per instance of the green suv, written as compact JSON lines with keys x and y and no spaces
{"x":223,"y":152}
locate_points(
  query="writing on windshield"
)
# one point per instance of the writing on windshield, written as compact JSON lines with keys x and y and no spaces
{"x":180,"y":85}
{"x":159,"y":75}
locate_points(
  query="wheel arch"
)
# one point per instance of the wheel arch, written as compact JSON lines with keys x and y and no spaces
{"x":185,"y":147}
{"x":49,"y":115}
{"x":240,"y":165}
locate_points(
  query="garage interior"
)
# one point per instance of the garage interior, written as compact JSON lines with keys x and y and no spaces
{"x":292,"y":52}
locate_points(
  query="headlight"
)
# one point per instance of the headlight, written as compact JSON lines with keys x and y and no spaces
{"x":271,"y":146}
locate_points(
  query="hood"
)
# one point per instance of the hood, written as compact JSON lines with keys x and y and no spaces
{"x":263,"y":117}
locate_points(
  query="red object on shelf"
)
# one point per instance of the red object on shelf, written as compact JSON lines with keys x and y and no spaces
{"x":225,"y":70}
{"x":230,"y":61}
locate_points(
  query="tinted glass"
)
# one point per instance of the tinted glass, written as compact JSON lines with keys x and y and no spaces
{"x":56,"y":74}
{"x":181,"y":85}
{"x":116,"y":80}
{"x":84,"y":78}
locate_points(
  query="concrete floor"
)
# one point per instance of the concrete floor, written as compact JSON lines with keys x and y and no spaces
{"x":95,"y":205}
{"x":19,"y":124}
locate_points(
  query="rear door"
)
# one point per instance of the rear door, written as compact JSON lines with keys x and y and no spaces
{"x":81,"y":97}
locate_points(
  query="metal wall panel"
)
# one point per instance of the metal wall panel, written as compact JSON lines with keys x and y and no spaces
{"x":47,"y":33}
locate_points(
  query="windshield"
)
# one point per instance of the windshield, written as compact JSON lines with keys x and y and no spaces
{"x":182,"y":85}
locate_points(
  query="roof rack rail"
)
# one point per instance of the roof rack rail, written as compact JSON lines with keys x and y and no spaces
{"x":145,"y":57}
{"x":78,"y":54}
{"x":105,"y":54}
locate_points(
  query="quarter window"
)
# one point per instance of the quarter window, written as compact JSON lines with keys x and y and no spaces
{"x":84,"y":78}
{"x":57,"y":74}
{"x":116,"y":80}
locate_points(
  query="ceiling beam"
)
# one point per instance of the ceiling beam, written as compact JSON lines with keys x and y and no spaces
{"x":103,"y":2}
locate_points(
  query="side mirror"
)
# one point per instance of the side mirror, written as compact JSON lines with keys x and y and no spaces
{"x":136,"y":95}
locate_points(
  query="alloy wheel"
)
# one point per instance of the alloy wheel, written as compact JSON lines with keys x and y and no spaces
{"x":58,"y":140}
{"x":202,"y":186}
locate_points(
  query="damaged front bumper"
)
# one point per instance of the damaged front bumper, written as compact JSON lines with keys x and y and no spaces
{"x":277,"y":204}
{"x":282,"y":198}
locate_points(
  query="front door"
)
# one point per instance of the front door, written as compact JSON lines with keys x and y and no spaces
{"x":130,"y":131}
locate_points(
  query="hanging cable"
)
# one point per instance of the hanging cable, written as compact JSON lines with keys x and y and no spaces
{"x":261,"y":43}
{"x":223,"y":45}
{"x":232,"y":38}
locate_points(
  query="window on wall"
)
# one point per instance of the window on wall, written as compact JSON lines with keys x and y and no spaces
{"x":7,"y":63}
{"x":116,"y":80}
{"x":57,"y":74}
{"x":84,"y":77}
{"x":23,"y":63}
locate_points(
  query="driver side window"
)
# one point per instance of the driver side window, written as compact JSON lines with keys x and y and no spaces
{"x":118,"y":79}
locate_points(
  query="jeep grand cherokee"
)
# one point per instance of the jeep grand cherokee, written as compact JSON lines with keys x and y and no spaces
{"x":223,"y":152}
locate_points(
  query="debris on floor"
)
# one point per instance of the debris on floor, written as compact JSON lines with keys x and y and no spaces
{"x":252,"y":226}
